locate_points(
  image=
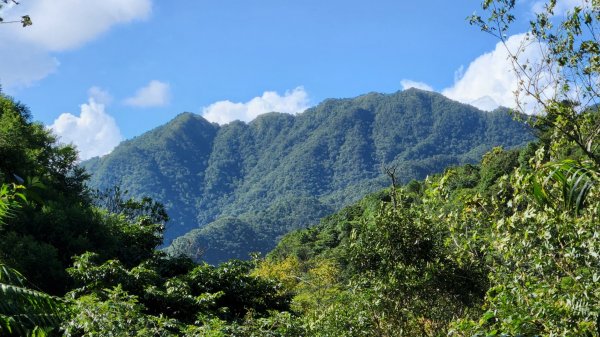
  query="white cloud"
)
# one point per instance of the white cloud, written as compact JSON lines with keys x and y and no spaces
{"x":291,"y":102}
{"x":65,"y":24}
{"x":458,"y":73}
{"x":24,"y":64}
{"x":58,"y":25}
{"x":100,"y":95}
{"x":407,"y":84}
{"x":93,"y":132}
{"x":489,"y":81}
{"x":155,"y":94}
{"x":6,"y":6}
{"x":561,"y":8}
{"x":485,"y":103}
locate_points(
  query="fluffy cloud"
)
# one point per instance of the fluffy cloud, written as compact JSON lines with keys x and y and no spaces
{"x":58,"y":25}
{"x":407,"y":84}
{"x":65,"y":24}
{"x":93,"y":132}
{"x":291,"y":102}
{"x":489,"y":81}
{"x":156,"y":93}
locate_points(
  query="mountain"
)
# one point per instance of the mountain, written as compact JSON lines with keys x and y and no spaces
{"x":237,"y":188}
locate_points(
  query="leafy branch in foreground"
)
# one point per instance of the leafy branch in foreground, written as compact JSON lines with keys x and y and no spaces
{"x":10,"y":194}
{"x":565,"y":184}
{"x":557,"y":65}
{"x":24,"y":311}
{"x":25,"y":19}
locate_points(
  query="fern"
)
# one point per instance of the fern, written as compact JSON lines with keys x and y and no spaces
{"x":10,"y":196}
{"x":24,"y":311}
{"x":565,"y":184}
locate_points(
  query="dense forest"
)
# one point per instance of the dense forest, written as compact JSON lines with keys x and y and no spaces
{"x":507,"y":246}
{"x":235,"y":189}
{"x":469,"y":250}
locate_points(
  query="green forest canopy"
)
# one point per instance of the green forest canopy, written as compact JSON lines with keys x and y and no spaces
{"x":507,"y":247}
{"x":235,"y":189}
{"x":431,"y":254}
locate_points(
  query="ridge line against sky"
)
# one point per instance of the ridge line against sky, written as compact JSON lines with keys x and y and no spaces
{"x":138,"y":63}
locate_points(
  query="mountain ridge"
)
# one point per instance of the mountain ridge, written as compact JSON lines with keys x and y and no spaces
{"x":317,"y":161}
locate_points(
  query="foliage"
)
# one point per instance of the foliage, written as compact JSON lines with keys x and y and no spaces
{"x":25,"y":311}
{"x":563,"y":83}
{"x":53,"y":223}
{"x":454,"y":257}
{"x":171,"y":295}
{"x":539,"y":234}
{"x":495,"y":164}
{"x":239,"y":187}
{"x":574,"y":179}
{"x":544,"y":262}
{"x":505,"y":247}
{"x":117,"y":314}
{"x":118,"y":283}
{"x":10,"y":195}
{"x":250,"y":232}
{"x":57,"y":217}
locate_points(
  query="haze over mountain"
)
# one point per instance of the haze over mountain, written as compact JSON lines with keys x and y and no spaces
{"x":237,"y":188}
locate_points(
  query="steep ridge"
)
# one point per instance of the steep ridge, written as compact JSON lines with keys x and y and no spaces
{"x":240,"y":186}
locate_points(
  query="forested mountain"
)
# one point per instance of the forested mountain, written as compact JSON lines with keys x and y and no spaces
{"x":506,"y":245}
{"x":240,"y":186}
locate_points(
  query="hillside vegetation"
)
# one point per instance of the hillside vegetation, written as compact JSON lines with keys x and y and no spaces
{"x":508,"y":246}
{"x":505,"y":246}
{"x":237,"y":188}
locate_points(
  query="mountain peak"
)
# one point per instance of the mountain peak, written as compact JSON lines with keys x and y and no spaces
{"x":322,"y":159}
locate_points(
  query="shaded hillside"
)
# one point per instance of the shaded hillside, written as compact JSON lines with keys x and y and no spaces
{"x":306,"y":165}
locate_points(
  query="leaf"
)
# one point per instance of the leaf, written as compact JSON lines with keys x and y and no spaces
{"x":573,"y":181}
{"x":25,"y":310}
{"x":26,"y":21}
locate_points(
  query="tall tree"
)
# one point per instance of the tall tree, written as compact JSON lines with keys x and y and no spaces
{"x":540,"y":233}
{"x":564,"y":81}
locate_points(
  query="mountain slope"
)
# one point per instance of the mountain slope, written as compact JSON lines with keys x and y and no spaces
{"x":252,"y":176}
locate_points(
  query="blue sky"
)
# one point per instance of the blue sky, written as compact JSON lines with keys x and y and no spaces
{"x":99,"y":71}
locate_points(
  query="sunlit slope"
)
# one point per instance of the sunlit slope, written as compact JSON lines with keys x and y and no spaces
{"x":280,"y":172}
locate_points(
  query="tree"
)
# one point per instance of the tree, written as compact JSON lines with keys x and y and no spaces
{"x":539,"y":234}
{"x":564,"y":81}
{"x":23,"y":311}
{"x":10,"y":195}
